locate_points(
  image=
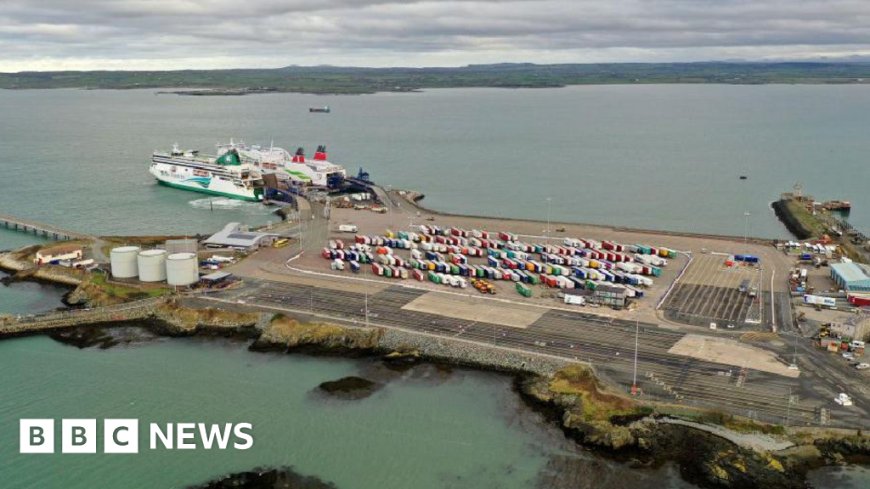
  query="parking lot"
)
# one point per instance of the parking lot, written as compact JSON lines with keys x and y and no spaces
{"x":710,"y":291}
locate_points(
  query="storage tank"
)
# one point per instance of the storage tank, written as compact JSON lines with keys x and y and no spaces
{"x":123,"y":260}
{"x":182,"y":269}
{"x":152,"y":265}
{"x":180,"y":246}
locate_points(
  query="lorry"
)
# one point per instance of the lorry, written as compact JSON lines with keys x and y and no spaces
{"x":348,"y":228}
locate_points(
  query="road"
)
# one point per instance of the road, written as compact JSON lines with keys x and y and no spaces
{"x":606,"y":343}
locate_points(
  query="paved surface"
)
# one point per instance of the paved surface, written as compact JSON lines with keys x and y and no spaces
{"x":607,"y":343}
{"x":709,"y":292}
{"x":602,"y":337}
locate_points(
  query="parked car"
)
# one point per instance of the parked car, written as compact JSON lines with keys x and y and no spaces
{"x":862,"y":366}
{"x":843,"y":399}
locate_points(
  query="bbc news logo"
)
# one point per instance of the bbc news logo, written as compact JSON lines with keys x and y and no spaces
{"x":122,"y":436}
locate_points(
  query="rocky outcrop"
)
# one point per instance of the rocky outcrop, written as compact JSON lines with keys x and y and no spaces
{"x":266,"y":479}
{"x":283,"y":333}
{"x":177,"y":320}
{"x":610,"y":423}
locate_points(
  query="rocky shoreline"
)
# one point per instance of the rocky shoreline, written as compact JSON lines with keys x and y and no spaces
{"x":567,"y":394}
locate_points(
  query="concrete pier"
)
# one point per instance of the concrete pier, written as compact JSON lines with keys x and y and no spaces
{"x":39,"y":229}
{"x":131,"y":311}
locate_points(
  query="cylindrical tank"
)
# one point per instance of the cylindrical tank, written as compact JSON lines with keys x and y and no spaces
{"x":182,"y":269}
{"x":123,"y":260}
{"x":180,"y":246}
{"x":152,"y":265}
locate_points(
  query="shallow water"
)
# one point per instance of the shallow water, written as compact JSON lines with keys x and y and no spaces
{"x":425,"y":428}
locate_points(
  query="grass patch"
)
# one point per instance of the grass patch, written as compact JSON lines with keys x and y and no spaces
{"x":597,"y":405}
{"x":99,"y":285}
{"x":810,"y":222}
{"x":739,"y":424}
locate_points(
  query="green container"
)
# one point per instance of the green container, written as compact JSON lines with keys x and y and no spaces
{"x":388,"y":272}
{"x":523,"y":290}
{"x":534,"y":279}
{"x":591,"y":285}
{"x":672,"y":254}
{"x":454,"y":269}
{"x":480,"y":273}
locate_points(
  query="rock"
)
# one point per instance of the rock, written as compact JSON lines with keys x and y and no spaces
{"x":283,"y":478}
{"x":350,"y":388}
{"x":292,"y":335}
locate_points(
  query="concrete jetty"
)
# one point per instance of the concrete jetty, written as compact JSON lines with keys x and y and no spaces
{"x":22,"y":325}
{"x":39,"y":229}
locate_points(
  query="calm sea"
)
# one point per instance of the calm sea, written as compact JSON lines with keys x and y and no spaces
{"x":652,"y":156}
{"x":664,"y":157}
{"x":423,"y":429}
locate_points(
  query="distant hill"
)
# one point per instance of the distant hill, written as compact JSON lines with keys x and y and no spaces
{"x":349,"y":80}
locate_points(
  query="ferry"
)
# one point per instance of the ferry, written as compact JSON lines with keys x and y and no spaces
{"x":317,"y":171}
{"x":225,"y":175}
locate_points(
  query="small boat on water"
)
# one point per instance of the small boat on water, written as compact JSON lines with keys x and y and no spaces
{"x":744,"y":177}
{"x":322,"y":110}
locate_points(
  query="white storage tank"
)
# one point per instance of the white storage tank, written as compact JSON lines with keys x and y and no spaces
{"x":182,"y":269}
{"x":123,"y":260}
{"x":152,"y":265}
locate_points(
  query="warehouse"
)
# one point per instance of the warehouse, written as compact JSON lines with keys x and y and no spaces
{"x":851,"y":277}
{"x":233,"y":236}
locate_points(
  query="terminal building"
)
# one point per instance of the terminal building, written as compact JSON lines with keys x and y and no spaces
{"x":851,"y":277}
{"x":235,"y":237}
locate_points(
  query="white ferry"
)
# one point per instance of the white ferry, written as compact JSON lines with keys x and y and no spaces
{"x":317,"y":171}
{"x":226,"y":175}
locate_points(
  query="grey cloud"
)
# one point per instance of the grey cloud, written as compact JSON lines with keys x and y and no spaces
{"x":170,"y":33}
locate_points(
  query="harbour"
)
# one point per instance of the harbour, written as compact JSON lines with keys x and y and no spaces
{"x":508,"y":330}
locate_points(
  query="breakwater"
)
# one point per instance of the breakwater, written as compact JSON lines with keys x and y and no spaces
{"x":791,"y":221}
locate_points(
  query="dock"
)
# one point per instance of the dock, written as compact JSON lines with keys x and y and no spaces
{"x":39,"y":229}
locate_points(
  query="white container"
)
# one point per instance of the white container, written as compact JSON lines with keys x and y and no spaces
{"x":152,"y":265}
{"x":124,"y":261}
{"x":182,"y":269}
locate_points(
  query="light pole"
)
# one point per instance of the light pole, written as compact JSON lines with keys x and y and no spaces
{"x":548,"y":219}
{"x":634,"y":376}
{"x":746,"y":227}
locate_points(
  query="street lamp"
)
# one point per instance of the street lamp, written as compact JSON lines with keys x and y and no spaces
{"x":634,"y":376}
{"x":549,"y":199}
{"x":746,"y":227}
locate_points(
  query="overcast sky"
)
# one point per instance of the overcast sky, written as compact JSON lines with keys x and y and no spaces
{"x":175,"y":34}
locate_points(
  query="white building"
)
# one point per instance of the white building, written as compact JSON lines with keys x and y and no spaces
{"x":232,"y":236}
{"x":58,"y":253}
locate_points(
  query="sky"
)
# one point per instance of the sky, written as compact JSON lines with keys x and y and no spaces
{"x":178,"y":34}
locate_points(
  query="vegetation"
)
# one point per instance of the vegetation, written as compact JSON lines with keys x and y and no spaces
{"x":739,"y":424}
{"x":813,"y":225}
{"x":344,"y":80}
{"x":596,"y":404}
{"x":188,"y":319}
{"x":104,"y":292}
